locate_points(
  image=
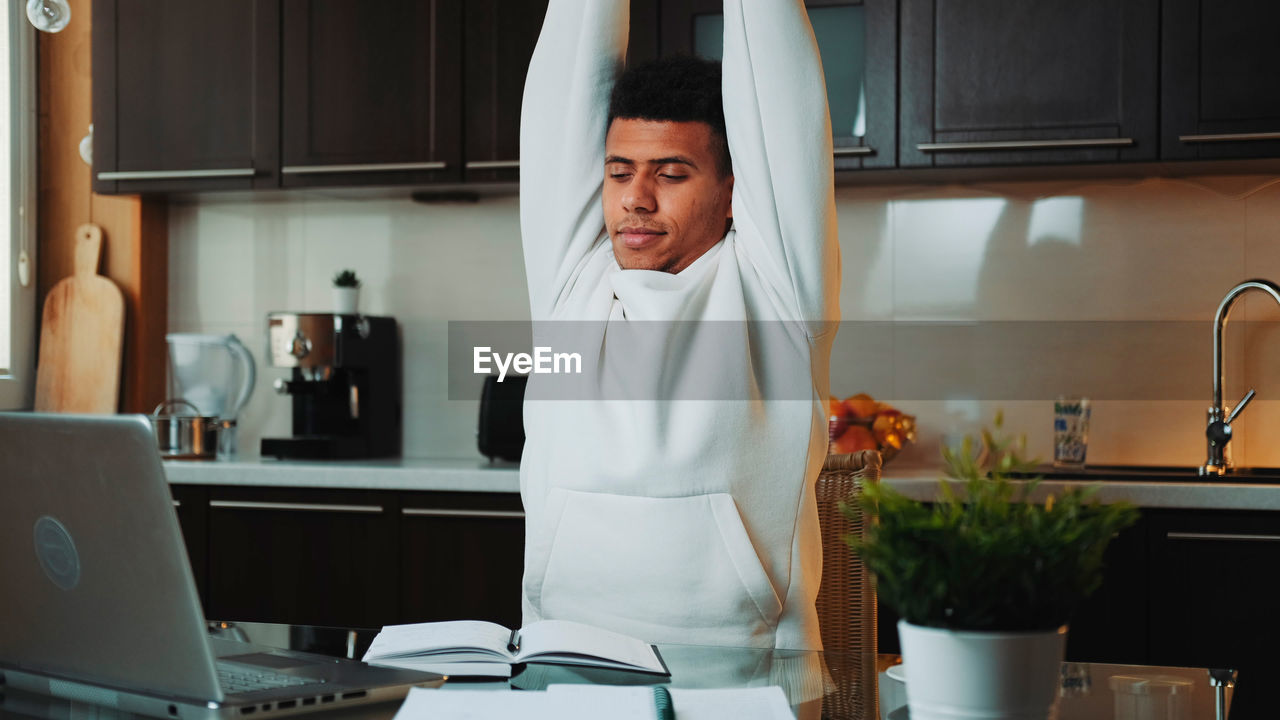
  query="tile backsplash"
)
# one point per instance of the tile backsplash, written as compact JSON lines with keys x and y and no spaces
{"x":1122,"y":253}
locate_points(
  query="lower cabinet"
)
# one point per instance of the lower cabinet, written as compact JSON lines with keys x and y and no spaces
{"x":353,"y":558}
{"x":1213,"y":597}
{"x":310,"y":557}
{"x":190,"y":502}
{"x":461,"y":557}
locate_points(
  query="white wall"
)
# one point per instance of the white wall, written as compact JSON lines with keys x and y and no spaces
{"x":1113,"y":250}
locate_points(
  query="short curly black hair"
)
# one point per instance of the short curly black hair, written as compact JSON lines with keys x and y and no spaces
{"x":678,"y":88}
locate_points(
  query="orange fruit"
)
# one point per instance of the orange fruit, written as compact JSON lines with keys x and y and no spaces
{"x":854,"y":439}
{"x":862,"y":405}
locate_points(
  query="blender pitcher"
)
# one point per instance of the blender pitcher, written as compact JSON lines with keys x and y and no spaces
{"x":216,"y":374}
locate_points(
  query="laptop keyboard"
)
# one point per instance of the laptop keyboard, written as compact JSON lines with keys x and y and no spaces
{"x":241,"y":678}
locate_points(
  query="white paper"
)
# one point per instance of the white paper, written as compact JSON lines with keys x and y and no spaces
{"x":432,"y":704}
{"x":757,"y":703}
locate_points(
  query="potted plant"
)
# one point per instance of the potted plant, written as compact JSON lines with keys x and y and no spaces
{"x":984,"y":579}
{"x":346,"y":292}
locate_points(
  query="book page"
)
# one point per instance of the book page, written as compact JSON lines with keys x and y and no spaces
{"x":562,"y":637}
{"x":431,"y":638}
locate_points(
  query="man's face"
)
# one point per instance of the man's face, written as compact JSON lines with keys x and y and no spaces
{"x":665,"y":203}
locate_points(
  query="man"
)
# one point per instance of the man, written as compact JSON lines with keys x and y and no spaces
{"x":674,"y":519}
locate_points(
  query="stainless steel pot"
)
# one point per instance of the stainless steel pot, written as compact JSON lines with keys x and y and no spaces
{"x":184,"y":437}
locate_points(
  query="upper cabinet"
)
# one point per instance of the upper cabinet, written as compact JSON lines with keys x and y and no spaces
{"x":500,"y":39}
{"x":371,"y":92}
{"x":249,"y":94}
{"x":185,"y":95}
{"x":1010,"y":82}
{"x":1220,"y":79}
{"x":858,"y":45}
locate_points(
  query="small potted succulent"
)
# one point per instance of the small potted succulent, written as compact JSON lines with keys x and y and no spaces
{"x":346,"y":293}
{"x":984,"y":579}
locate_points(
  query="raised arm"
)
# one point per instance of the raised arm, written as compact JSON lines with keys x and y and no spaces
{"x":562,"y":131}
{"x":775,"y":107}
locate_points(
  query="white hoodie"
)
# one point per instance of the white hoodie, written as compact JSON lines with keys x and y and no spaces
{"x":681,"y":520}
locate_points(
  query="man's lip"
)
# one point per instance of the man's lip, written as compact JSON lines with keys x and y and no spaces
{"x":635,"y":238}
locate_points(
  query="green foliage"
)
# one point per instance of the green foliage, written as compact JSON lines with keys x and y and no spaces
{"x":987,"y":558}
{"x":346,"y":278}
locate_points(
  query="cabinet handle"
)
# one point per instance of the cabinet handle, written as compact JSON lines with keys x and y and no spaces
{"x":359,"y":168}
{"x":316,"y":507}
{"x":1229,"y":137}
{"x":494,"y":514}
{"x":175,"y":174}
{"x":854,"y":150}
{"x":177,"y":503}
{"x":1024,"y":144}
{"x":1221,"y":536}
{"x":492,"y":165}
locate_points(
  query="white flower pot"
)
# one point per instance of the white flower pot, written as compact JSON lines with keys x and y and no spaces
{"x":346,"y":300}
{"x":955,"y":675}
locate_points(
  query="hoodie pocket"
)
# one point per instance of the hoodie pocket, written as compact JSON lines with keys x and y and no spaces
{"x":677,"y":569}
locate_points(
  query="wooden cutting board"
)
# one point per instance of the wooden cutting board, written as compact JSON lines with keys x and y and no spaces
{"x":80,"y":336}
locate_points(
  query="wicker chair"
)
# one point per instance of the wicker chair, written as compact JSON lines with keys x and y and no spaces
{"x":846,"y":598}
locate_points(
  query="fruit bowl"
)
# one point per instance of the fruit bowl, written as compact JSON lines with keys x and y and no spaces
{"x":861,"y":423}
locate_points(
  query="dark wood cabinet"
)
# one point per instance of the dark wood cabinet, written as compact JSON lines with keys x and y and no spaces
{"x":185,"y":95}
{"x":1212,"y":597}
{"x":351,"y":558}
{"x":500,"y":37}
{"x":1006,"y":82}
{"x":1111,"y":625}
{"x":858,"y":42}
{"x":371,"y":93}
{"x":1213,"y":588}
{"x":462,"y":557}
{"x":1220,"y":79}
{"x":190,"y":502}
{"x":312,"y":557}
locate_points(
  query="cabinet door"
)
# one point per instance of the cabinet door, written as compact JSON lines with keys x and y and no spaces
{"x":1220,"y":79}
{"x":1111,"y":625}
{"x":1213,"y":594}
{"x":1214,"y":588}
{"x":185,"y":95}
{"x":500,"y":37}
{"x":307,"y":557}
{"x":190,"y":502}
{"x":1009,"y":82}
{"x":858,"y":44}
{"x":371,"y":92}
{"x":462,"y":557}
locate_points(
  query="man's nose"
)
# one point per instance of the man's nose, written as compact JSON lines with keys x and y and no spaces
{"x":639,"y":197}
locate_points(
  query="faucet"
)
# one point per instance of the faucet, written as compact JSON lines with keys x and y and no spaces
{"x":1218,"y":430}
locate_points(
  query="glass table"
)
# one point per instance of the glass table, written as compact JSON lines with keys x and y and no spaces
{"x":810,"y":680}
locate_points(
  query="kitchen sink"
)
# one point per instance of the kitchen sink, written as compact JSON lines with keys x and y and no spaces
{"x":1159,"y":473}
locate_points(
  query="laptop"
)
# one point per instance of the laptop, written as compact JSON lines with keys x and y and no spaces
{"x":100,"y":605}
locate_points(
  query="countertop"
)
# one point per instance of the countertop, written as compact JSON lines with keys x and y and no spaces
{"x":478,"y":475}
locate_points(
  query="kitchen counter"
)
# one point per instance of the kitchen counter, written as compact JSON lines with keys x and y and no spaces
{"x":921,"y":483}
{"x":478,"y":475}
{"x":464,"y":475}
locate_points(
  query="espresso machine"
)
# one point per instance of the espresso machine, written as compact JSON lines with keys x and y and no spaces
{"x":345,"y":385}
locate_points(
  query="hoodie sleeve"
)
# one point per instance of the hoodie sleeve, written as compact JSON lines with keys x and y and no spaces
{"x":779,"y":131}
{"x":562,"y":129}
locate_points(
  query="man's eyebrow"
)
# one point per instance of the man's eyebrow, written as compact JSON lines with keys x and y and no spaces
{"x":674,"y":159}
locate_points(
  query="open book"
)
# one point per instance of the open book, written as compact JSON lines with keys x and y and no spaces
{"x":490,"y":647}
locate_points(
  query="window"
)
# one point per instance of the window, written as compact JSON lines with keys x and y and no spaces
{"x":17,"y":208}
